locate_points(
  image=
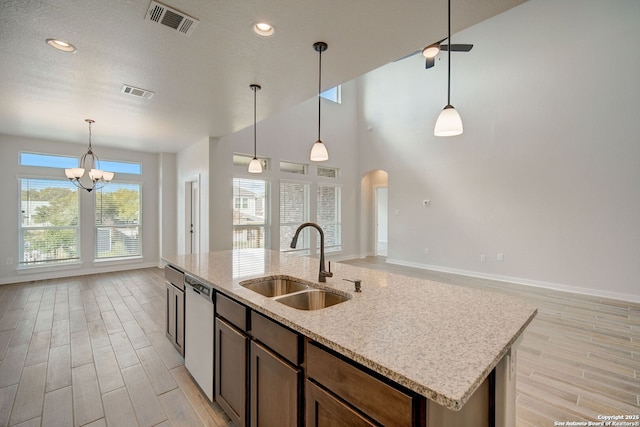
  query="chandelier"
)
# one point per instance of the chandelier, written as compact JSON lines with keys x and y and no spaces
{"x":96,"y":178}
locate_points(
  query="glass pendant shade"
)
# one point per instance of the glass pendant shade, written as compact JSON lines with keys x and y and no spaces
{"x":255,"y":166}
{"x":319,"y":152}
{"x":449,"y":122}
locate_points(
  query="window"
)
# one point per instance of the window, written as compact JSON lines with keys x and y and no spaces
{"x":49,"y":227}
{"x":334,"y":94}
{"x":61,"y":162}
{"x":327,"y":172}
{"x":291,"y":167}
{"x":328,"y":213}
{"x":118,"y":221}
{"x":121,"y":167}
{"x":294,"y":210}
{"x":48,"y":160}
{"x":249,"y":213}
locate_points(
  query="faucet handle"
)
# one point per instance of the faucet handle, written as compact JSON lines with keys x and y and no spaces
{"x":358,"y":284}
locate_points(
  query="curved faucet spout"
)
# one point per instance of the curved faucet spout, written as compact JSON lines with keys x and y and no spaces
{"x":323,"y":274}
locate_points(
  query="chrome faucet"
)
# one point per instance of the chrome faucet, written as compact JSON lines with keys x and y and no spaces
{"x":323,"y":274}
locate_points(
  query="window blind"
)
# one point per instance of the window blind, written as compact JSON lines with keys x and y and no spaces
{"x":294,"y":210}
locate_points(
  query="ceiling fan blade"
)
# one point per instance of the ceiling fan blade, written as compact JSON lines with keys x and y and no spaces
{"x":457,"y":47}
{"x":429,"y":62}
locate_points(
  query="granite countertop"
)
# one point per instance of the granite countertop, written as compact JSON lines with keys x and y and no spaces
{"x":438,"y":340}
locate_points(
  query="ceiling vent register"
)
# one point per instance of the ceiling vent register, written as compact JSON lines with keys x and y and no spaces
{"x":136,"y":91}
{"x":171,"y":18}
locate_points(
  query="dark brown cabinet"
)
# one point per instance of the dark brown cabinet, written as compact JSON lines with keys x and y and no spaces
{"x":358,"y":391}
{"x":325,"y":410}
{"x":231,"y":346}
{"x":274,"y":389}
{"x":174,"y":281}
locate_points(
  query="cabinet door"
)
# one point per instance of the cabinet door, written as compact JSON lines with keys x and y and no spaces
{"x":324,"y":410}
{"x":274,"y":390}
{"x":171,"y":313}
{"x":178,"y":301}
{"x":231,"y":371}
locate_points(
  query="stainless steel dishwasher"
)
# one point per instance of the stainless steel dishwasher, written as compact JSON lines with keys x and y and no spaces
{"x":198,"y":350}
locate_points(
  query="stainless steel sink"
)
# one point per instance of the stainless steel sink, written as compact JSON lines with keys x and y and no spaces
{"x":275,"y":286}
{"x":312,"y":299}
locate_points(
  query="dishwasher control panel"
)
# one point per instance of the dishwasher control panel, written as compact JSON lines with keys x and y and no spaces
{"x":202,"y":288}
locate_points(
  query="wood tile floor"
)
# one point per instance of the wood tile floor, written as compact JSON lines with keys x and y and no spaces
{"x":91,"y":351}
{"x":579,"y":358}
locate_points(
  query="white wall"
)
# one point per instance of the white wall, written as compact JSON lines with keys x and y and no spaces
{"x":192,"y":164}
{"x":547,"y":170}
{"x":289,"y":136}
{"x":168,"y":212}
{"x":10,"y":170}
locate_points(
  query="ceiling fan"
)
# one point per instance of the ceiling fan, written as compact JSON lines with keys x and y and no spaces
{"x":430,"y":52}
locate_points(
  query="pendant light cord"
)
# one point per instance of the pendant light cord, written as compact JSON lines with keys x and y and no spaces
{"x":319,"y":87}
{"x":255,"y":90}
{"x":449,"y":56}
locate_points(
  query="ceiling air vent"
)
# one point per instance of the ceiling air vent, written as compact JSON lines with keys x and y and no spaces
{"x":136,"y":91}
{"x":171,"y":18}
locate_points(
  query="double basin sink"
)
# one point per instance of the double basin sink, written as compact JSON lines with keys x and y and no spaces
{"x":294,"y":292}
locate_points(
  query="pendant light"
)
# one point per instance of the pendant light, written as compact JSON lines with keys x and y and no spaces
{"x":449,"y":122}
{"x":319,"y":151}
{"x":97,"y":178}
{"x":255,"y":166}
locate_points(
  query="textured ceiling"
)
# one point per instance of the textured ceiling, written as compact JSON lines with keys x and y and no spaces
{"x":201,"y":82}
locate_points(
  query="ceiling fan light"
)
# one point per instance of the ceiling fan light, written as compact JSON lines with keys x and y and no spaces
{"x":319,"y":152}
{"x":255,"y":166}
{"x":449,"y":122}
{"x":431,"y":51}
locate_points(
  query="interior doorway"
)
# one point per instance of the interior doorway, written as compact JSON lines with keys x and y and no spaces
{"x":374,"y":214}
{"x":192,"y":216}
{"x":381,"y":216}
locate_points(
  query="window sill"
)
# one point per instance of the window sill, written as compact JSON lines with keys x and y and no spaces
{"x":118,"y":261}
{"x":27,"y":269}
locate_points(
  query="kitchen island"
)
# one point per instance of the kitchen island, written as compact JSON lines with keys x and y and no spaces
{"x":439,"y":341}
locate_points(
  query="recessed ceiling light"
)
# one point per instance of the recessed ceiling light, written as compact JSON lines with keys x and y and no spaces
{"x":263,"y":29}
{"x":61,"y":45}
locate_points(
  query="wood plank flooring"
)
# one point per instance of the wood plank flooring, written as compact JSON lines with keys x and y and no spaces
{"x":579,"y":358}
{"x":91,"y":351}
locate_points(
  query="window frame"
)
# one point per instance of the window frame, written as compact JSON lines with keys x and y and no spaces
{"x":266,"y":235}
{"x":305,"y":235}
{"x":338,"y":215}
{"x":139,"y":225}
{"x":21,"y":228}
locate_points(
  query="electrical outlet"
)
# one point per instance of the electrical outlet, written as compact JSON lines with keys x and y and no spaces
{"x":483,"y":258}
{"x":426,"y":251}
{"x":500,"y":257}
{"x":9,"y":261}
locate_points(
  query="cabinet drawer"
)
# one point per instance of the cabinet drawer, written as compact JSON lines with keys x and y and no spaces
{"x":174,"y":276}
{"x":231,"y":310}
{"x":275,"y":336}
{"x":380,"y":401}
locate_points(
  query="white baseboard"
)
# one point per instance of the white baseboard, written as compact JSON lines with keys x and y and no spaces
{"x":53,"y":273}
{"x":520,"y":281}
